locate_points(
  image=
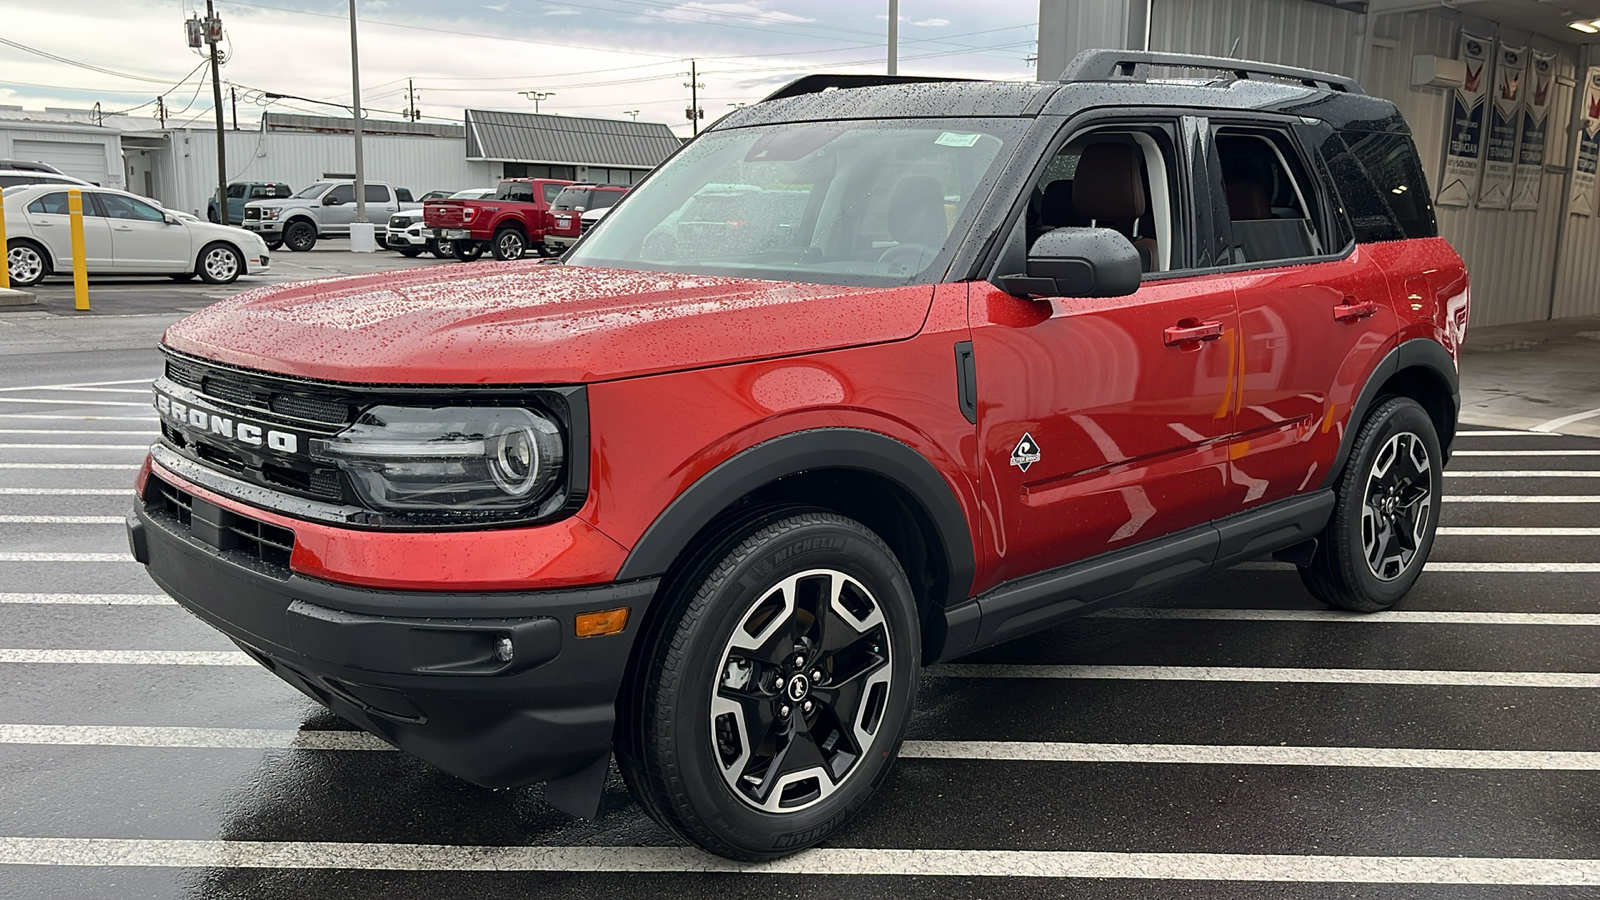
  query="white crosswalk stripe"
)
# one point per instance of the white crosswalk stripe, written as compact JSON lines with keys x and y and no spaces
{"x":1522,"y":498}
{"x":61,"y":520}
{"x":1510,"y":473}
{"x":1513,"y":568}
{"x":1389,"y":617}
{"x":67,"y":492}
{"x":1271,"y":674}
{"x":88,"y":599}
{"x":29,"y":557}
{"x":89,"y":385}
{"x":1520,"y":453}
{"x":29,"y":656}
{"x":144,"y":446}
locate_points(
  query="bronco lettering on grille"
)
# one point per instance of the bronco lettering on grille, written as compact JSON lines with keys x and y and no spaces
{"x":222,"y":426}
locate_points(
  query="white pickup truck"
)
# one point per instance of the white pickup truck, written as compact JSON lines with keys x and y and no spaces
{"x":323,"y":209}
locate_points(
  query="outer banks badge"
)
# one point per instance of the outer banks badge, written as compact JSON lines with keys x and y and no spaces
{"x":1026,"y":454}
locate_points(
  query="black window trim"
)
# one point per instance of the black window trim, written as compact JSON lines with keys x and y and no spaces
{"x":1327,"y":205}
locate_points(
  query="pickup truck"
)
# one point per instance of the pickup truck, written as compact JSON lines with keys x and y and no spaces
{"x":509,"y":224}
{"x":242,"y":192}
{"x":323,"y":209}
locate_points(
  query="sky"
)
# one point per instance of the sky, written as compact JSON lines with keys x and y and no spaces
{"x":598,"y":58}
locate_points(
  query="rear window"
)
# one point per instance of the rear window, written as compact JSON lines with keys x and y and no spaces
{"x":604,"y":199}
{"x":53,"y":204}
{"x":572,"y":198}
{"x":519,"y":191}
{"x":550,"y":192}
{"x":1384,"y":190}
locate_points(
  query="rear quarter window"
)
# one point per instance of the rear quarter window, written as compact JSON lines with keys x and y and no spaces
{"x":1380,"y":180}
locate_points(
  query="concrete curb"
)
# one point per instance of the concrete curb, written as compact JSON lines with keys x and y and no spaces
{"x":11,"y":297}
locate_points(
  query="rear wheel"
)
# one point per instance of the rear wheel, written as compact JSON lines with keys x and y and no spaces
{"x":26,"y":263}
{"x":509,"y":244}
{"x":300,"y":236}
{"x":466,"y":251}
{"x":1386,"y":514}
{"x":274,"y":245}
{"x":776,"y":688}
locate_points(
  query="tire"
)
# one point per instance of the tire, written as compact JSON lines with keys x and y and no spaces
{"x":274,"y":245}
{"x":27,"y":263}
{"x":748,"y":614}
{"x":211,"y":215}
{"x":443,"y":249}
{"x":300,"y":236}
{"x":220,"y":263}
{"x":467,"y":251}
{"x":1385,"y":517}
{"x":410,"y":252}
{"x":509,"y":244}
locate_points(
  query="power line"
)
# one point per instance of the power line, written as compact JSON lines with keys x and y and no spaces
{"x":82,"y":65}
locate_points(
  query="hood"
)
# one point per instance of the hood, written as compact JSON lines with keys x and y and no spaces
{"x":530,"y":323}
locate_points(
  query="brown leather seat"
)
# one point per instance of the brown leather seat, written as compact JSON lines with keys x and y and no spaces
{"x":1108,"y":188}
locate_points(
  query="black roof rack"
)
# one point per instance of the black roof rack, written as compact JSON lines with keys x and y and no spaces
{"x":1134,"y":65}
{"x":816,"y":84}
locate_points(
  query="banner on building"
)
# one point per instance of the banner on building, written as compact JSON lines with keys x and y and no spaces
{"x":1504,"y":111}
{"x":1464,"y":143}
{"x":1540,"y":81}
{"x":1587,"y":152}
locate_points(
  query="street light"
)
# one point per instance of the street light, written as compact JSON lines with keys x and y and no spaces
{"x":631,"y":112}
{"x":536,"y":96}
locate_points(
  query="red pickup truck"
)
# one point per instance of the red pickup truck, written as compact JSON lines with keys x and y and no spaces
{"x":508,"y":225}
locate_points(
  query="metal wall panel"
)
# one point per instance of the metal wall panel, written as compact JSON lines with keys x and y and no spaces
{"x":1577,"y":291}
{"x":1510,"y":255}
{"x":1067,"y":27}
{"x":1291,"y":32}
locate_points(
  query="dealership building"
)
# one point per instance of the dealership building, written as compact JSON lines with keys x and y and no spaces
{"x":1527,"y":224}
{"x":178,"y":166}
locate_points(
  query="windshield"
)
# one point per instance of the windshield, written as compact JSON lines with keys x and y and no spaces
{"x":312,"y":190}
{"x":571,"y":198}
{"x":858,"y":202}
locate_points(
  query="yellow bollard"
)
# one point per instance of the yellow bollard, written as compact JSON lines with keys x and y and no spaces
{"x":5,"y":249}
{"x":80,"y":259}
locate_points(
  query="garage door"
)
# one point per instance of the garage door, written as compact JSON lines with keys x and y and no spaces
{"x":86,"y":161}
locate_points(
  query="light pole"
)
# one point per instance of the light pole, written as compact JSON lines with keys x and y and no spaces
{"x":631,"y":112}
{"x":894,"y":37}
{"x":536,"y":96}
{"x":355,"y":103}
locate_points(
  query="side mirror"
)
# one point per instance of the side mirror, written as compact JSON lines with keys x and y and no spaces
{"x":170,"y":219}
{"x":331,"y":200}
{"x":1078,"y":262}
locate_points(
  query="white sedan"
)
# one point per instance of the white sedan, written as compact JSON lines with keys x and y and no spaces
{"x":123,"y":234}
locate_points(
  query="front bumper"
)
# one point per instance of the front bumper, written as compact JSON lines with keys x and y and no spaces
{"x":418,"y":669}
{"x":264,"y":226}
{"x":406,"y":238}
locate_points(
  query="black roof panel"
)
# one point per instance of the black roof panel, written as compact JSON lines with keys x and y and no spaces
{"x":950,"y":99}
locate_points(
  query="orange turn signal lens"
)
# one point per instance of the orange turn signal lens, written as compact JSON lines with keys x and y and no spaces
{"x":606,"y":621}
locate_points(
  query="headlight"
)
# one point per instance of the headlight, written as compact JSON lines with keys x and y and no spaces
{"x":270,"y":213}
{"x":452,"y":459}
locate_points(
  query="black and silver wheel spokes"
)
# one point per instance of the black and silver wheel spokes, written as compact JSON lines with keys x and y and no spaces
{"x":1397,"y":506}
{"x":801,"y":690}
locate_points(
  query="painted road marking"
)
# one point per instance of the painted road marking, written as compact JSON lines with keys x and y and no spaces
{"x":148,"y":418}
{"x":1476,"y":531}
{"x":73,"y":402}
{"x":90,"y":599}
{"x":66,"y":557}
{"x":123,"y":467}
{"x":62,"y":520}
{"x":77,"y":384}
{"x":1553,"y":424}
{"x":126,"y":657}
{"x":81,"y":447}
{"x":1507,"y":567}
{"x":41,"y":851}
{"x":1390,"y":617}
{"x":67,"y":492}
{"x":1283,"y":675}
{"x":1511,"y":473}
{"x":89,"y":431}
{"x":197,"y":738}
{"x":1502,"y":434}
{"x":1522,"y":498}
{"x":1456,"y":453}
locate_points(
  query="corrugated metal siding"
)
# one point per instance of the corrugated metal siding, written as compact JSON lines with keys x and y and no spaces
{"x":1511,"y":255}
{"x":299,"y":158}
{"x":567,"y":140}
{"x":1577,"y":290}
{"x":1067,"y":27}
{"x":1292,"y":32}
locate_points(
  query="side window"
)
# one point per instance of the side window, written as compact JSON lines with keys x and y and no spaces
{"x":518,"y":191}
{"x":344,"y":193}
{"x":403,"y":195}
{"x":1271,"y":202}
{"x":604,"y":199}
{"x":1381,"y":180}
{"x":14,"y":180}
{"x":550,"y":192}
{"x":1121,"y":178}
{"x":377,"y":193}
{"x":117,"y":206}
{"x":50,"y":204}
{"x":236,"y":191}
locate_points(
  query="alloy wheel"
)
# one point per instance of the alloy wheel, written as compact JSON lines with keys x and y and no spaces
{"x":801,"y":690}
{"x":1395,"y":509}
{"x":511,"y":245}
{"x":25,"y":264}
{"x":221,"y":265}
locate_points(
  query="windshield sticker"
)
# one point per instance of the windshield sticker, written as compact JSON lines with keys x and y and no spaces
{"x":951,"y":139}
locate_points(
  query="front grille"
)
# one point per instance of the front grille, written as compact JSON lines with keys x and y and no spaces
{"x":222,"y":529}
{"x":240,"y":389}
{"x":585,"y":224}
{"x":310,"y":408}
{"x":252,"y":213}
{"x":401,"y":222}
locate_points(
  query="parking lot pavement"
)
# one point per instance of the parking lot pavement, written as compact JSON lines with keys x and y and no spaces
{"x":1232,"y":739}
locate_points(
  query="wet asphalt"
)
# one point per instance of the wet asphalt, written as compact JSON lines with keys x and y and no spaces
{"x":1147,"y":753}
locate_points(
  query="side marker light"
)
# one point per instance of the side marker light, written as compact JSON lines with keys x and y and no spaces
{"x":606,"y":621}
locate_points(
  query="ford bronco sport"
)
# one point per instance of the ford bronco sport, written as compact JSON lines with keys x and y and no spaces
{"x":953,"y":362}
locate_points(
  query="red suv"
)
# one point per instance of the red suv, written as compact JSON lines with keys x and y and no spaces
{"x":509,"y":224}
{"x":868,"y":376}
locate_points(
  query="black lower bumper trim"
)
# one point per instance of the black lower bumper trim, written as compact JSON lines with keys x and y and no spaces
{"x":492,"y":687}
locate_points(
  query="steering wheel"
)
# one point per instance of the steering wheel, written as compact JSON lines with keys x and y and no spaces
{"x":913,"y":257}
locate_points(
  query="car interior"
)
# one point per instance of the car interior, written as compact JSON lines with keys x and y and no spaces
{"x":1102,"y":179}
{"x":1269,"y":212}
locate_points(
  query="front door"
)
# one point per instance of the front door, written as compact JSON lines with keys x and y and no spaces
{"x":141,"y":238}
{"x":339,"y":209}
{"x":1104,"y":422}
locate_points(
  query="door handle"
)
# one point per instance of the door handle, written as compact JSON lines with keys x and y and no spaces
{"x":1351,"y":309}
{"x":124,"y":227}
{"x":1190,"y":331}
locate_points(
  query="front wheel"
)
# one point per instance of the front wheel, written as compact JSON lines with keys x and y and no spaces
{"x":300,"y":236}
{"x":1386,"y":512}
{"x":776,"y":688}
{"x":221,"y":264}
{"x":410,"y":252}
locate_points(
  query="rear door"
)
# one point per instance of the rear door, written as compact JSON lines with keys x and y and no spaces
{"x":50,"y":222}
{"x":1315,"y":314}
{"x":1103,"y":422}
{"x":381,"y":203}
{"x":141,"y":238}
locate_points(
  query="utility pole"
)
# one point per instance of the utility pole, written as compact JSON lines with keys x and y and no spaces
{"x":412,"y":112}
{"x":694,"y":113}
{"x":213,"y":36}
{"x":355,"y":102}
{"x":161,"y":110}
{"x":894,"y":37}
{"x":233,"y":98}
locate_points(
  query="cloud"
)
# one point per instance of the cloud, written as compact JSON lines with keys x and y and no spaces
{"x":563,"y":11}
{"x":932,"y":23}
{"x":498,"y":7}
{"x":697,"y":11}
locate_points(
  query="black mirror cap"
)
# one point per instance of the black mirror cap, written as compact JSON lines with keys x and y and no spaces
{"x":1079,"y":262}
